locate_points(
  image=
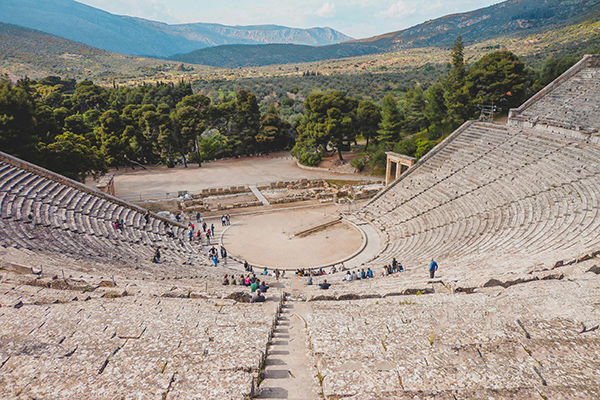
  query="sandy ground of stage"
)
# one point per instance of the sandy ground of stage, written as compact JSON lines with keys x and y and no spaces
{"x":267,"y":239}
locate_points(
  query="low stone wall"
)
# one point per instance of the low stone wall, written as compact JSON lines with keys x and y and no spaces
{"x":221,"y":191}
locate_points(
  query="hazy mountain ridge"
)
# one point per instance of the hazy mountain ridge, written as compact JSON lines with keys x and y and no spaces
{"x":509,"y":18}
{"x":512,"y":17}
{"x":28,"y":52}
{"x":136,"y":36}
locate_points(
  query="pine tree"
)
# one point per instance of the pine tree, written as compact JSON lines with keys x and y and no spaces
{"x":391,"y":120}
{"x":368,"y":117}
{"x":457,"y":97}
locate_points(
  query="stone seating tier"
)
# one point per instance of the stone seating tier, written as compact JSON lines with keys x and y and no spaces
{"x":76,"y":222}
{"x":502,"y":195}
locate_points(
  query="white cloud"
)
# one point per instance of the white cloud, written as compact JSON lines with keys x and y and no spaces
{"x":399,"y":9}
{"x":326,"y":10}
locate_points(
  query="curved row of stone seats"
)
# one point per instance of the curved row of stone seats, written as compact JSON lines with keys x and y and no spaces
{"x":116,"y":347}
{"x":569,"y":103}
{"x":521,"y":342}
{"x":43,"y":211}
{"x":527,"y":198}
{"x":98,"y":330}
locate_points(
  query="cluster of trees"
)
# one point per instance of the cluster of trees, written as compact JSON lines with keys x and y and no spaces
{"x":80,"y":128}
{"x":417,"y":120}
{"x":292,"y":89}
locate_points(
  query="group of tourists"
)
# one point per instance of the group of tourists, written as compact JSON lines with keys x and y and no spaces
{"x":209,"y":232}
{"x":250,"y":280}
{"x":213,"y":255}
{"x":310,"y":271}
{"x":257,"y":287}
{"x":225,"y":220}
{"x":276,"y":273}
{"x":119,"y":224}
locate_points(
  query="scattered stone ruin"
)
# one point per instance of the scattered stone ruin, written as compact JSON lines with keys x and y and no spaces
{"x":282,"y":192}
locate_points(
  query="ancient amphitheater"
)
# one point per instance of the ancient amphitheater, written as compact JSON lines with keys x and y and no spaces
{"x":510,"y":212}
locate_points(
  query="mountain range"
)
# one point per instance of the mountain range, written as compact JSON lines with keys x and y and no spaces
{"x":105,"y":45}
{"x":508,"y":18}
{"x":141,"y":37}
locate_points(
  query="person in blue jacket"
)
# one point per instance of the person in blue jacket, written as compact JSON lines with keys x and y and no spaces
{"x":433,"y":266}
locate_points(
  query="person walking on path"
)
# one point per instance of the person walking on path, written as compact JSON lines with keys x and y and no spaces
{"x":224,"y":254}
{"x":433,"y":266}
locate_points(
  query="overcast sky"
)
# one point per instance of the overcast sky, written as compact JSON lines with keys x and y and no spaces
{"x":357,"y":18}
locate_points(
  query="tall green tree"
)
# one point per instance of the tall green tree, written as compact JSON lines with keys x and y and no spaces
{"x":392,"y":121}
{"x":73,"y":156}
{"x":245,"y":123}
{"x":273,"y":131}
{"x":329,"y":119}
{"x":191,"y":118}
{"x":110,"y":136}
{"x":414,"y":106}
{"x":435,"y":109}
{"x":498,"y":78}
{"x":368,"y":117}
{"x":88,"y":96}
{"x":457,"y":97}
{"x":17,"y":121}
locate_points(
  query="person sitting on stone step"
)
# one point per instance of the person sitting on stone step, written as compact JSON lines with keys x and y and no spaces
{"x":263,"y":287}
{"x":257,"y":297}
{"x":324,"y":285}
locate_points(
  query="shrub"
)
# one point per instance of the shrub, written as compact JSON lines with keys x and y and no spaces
{"x":359,"y":163}
{"x":423,"y":146}
{"x":408,"y":147}
{"x":379,"y":159}
{"x":307,"y":153}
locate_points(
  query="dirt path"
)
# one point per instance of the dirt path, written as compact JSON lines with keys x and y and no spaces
{"x":156,"y":182}
{"x":287,"y":374}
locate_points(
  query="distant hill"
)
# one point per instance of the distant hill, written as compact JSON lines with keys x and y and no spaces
{"x":27,"y":52}
{"x":135,"y":36}
{"x":512,"y":17}
{"x":233,"y":56}
{"x":509,"y":18}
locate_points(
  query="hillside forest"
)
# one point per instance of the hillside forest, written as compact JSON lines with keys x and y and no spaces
{"x":80,"y":128}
